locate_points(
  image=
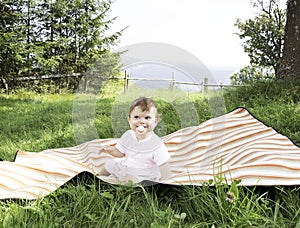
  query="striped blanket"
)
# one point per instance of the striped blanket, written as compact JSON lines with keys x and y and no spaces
{"x":235,"y":146}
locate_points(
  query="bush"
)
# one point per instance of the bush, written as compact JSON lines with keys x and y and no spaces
{"x":252,"y":74}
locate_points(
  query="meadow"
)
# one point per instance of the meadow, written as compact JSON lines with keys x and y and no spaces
{"x":33,"y":122}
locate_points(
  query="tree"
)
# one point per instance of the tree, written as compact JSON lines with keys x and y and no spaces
{"x":73,"y":34}
{"x":54,"y":37}
{"x":290,"y":63}
{"x":264,"y":34}
{"x":28,"y":21}
{"x":12,"y":38}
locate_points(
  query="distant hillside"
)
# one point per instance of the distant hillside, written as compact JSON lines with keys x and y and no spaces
{"x":222,"y":74}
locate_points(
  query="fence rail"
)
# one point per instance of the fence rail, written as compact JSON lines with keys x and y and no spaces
{"x":127,"y":78}
{"x":50,"y":76}
{"x":204,"y":85}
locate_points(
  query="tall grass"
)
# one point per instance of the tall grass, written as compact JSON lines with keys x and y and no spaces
{"x":91,"y":203}
{"x":34,"y":122}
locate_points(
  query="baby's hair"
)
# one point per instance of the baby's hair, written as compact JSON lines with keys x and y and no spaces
{"x":144,"y":103}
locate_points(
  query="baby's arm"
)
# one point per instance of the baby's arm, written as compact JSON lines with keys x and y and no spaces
{"x":113,"y":151}
{"x":165,"y":171}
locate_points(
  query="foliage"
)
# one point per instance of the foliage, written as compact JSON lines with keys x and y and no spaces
{"x":12,"y":38}
{"x":262,"y":92}
{"x":263,"y":35}
{"x":56,"y":37}
{"x":251,"y":74}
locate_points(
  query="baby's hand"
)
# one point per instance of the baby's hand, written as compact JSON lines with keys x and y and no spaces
{"x":108,"y":149}
{"x":113,"y":151}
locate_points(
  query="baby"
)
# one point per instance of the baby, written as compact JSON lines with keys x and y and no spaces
{"x":139,"y":154}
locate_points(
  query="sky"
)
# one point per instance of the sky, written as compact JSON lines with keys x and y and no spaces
{"x":205,"y":28}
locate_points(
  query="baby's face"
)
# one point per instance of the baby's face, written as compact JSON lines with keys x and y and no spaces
{"x":142,"y":123}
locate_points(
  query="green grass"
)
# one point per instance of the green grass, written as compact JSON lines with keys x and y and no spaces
{"x":34,"y":122}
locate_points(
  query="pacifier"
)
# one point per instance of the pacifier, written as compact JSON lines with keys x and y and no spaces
{"x":140,"y":128}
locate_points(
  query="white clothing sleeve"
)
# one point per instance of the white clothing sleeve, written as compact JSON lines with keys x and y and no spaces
{"x":120,"y":148}
{"x":161,"y":155}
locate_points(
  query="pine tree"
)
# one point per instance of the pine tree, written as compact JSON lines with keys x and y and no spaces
{"x":76,"y":34}
{"x":12,"y":38}
{"x":55,"y":37}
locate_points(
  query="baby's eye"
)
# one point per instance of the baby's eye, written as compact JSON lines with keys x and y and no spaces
{"x":148,"y":118}
{"x":136,"y":117}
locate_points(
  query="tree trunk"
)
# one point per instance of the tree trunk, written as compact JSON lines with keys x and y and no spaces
{"x":289,"y":68}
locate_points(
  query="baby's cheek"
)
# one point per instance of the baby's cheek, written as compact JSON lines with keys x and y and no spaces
{"x":153,"y":124}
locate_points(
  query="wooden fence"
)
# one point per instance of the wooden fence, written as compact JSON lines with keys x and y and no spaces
{"x":127,"y":78}
{"x":204,"y":85}
{"x":7,"y":84}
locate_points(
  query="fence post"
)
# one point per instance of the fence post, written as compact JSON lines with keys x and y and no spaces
{"x":6,"y":85}
{"x":205,"y":85}
{"x":221,"y":85}
{"x":125,"y":81}
{"x":173,"y":80}
{"x":85,"y":84}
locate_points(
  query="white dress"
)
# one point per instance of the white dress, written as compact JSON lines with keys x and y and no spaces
{"x":142,"y":158}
